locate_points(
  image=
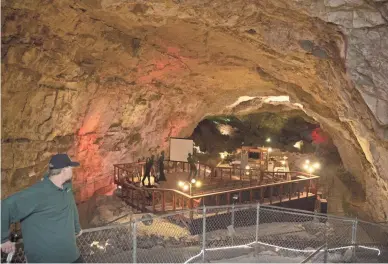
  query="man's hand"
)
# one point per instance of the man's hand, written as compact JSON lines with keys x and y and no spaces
{"x":79,"y":233}
{"x":8,"y":247}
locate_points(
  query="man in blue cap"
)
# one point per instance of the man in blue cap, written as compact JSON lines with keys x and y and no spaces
{"x":48,"y":216}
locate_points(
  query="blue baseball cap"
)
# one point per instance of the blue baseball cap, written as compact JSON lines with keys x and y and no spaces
{"x":60,"y":161}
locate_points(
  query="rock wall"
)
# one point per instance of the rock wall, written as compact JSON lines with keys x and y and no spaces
{"x":110,"y":80}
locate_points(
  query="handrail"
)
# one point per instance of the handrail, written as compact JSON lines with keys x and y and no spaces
{"x":126,"y":174}
{"x":217,"y":193}
{"x":252,"y":187}
{"x":157,"y":189}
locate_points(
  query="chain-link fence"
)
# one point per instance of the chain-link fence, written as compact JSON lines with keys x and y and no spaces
{"x":235,"y":233}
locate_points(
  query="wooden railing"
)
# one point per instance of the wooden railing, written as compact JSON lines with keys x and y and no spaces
{"x":249,"y":174}
{"x":135,"y":171}
{"x":162,"y":200}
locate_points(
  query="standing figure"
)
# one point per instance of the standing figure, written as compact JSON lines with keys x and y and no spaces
{"x":193,"y":167}
{"x":162,"y":177}
{"x":156,"y":169}
{"x":152,"y":166}
{"x":48,"y":215}
{"x":147,"y":171}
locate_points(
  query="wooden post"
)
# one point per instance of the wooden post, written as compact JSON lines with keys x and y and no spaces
{"x":138,"y":202}
{"x":251,"y":195}
{"x":305,"y":189}
{"x":228,"y":198}
{"x":261,"y":195}
{"x":240,"y":171}
{"x":316,"y":188}
{"x":270,"y":194}
{"x":240,"y":197}
{"x":298,"y":186}
{"x":217,"y":200}
{"x":191,"y":207}
{"x":173,"y":201}
{"x":144,"y":203}
{"x":153,"y":202}
{"x":280,"y":192}
{"x":261,"y":176}
{"x":308,"y":189}
{"x":289,"y":191}
{"x":221,"y":173}
{"x":163,"y":202}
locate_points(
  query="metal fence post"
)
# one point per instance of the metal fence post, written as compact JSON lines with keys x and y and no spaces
{"x":232,"y":224}
{"x":326,"y":245}
{"x":354,"y":236}
{"x":134,"y":243}
{"x":257,"y":222}
{"x":203,"y":233}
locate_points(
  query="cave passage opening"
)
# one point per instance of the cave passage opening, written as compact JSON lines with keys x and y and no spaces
{"x":288,"y":133}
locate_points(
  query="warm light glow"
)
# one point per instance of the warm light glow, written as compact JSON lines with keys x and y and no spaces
{"x":307,"y":162}
{"x":298,"y":144}
{"x":306,"y":167}
{"x":317,"y":165}
{"x":285,"y":157}
{"x":181,"y":183}
{"x":225,"y":130}
{"x":185,"y":187}
{"x":120,"y":187}
{"x":283,"y":162}
{"x":268,"y":140}
{"x":311,"y":169}
{"x":198,"y":184}
{"x":198,"y":149}
{"x":247,"y":167}
{"x":269,"y":149}
{"x":223,"y":155}
{"x":193,"y":180}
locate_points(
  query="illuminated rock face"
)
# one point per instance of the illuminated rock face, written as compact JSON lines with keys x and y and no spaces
{"x":109,"y":81}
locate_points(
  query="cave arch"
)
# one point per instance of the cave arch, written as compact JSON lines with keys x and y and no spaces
{"x":110,"y":81}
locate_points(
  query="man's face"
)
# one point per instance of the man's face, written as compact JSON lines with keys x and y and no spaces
{"x":68,"y":173}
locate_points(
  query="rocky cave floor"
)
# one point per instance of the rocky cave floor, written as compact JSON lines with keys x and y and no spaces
{"x":165,"y":240}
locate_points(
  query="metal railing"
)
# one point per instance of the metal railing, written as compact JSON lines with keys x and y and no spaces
{"x":234,"y":233}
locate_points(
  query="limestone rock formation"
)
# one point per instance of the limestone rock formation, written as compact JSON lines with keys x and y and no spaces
{"x":110,"y":80}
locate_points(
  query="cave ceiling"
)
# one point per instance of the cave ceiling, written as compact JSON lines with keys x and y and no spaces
{"x":108,"y":81}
